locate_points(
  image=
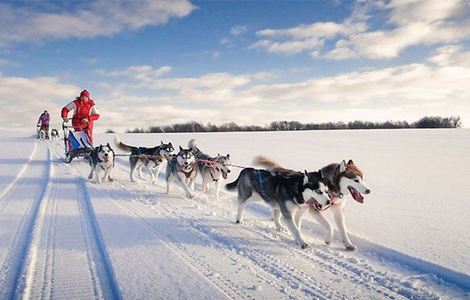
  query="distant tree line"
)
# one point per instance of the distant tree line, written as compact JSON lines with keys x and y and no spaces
{"x":192,"y":126}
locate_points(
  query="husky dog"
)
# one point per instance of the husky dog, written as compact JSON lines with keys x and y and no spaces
{"x":55,"y":134}
{"x":101,"y":161}
{"x":286,"y":195}
{"x":182,"y":166}
{"x":211,"y":169}
{"x":151,"y":158}
{"x":42,"y":134}
{"x":342,"y":179}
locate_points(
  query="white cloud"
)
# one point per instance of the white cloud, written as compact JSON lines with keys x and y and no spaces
{"x":143,"y":73}
{"x":89,"y":20}
{"x":452,"y":55}
{"x":408,"y":23}
{"x":405,"y":92}
{"x":23,"y":100}
{"x":90,"y":60}
{"x":238,"y":30}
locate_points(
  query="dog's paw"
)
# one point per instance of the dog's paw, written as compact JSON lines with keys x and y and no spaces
{"x":238,"y":221}
{"x":190,"y":196}
{"x":110,"y":179}
{"x":350,"y":247}
{"x":90,"y":176}
{"x":281,"y":229}
{"x":327,"y":243}
{"x":304,"y":245}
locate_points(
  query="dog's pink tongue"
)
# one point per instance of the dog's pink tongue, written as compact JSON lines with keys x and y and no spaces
{"x":224,"y":175}
{"x":311,"y":201}
{"x":356,"y":195}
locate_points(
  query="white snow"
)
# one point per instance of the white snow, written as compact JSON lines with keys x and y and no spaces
{"x":62,"y":236}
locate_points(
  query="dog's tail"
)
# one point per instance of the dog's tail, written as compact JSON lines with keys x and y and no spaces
{"x":192,"y":145}
{"x":232,"y":185}
{"x":268,"y":163}
{"x":122,"y":146}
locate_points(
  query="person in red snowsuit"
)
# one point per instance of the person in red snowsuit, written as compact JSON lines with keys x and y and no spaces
{"x":85,"y":113}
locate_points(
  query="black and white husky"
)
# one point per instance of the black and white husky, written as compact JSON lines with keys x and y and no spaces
{"x":342,"y":179}
{"x":211,"y":169}
{"x":285,"y":194}
{"x":151,"y":158}
{"x":55,"y":135}
{"x":42,"y":134}
{"x":101,"y":163}
{"x":183,"y":168}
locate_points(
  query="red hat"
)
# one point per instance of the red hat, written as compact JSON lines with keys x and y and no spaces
{"x":85,"y":93}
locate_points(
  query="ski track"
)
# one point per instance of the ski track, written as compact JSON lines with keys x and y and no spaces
{"x":18,"y":176}
{"x":47,"y":268}
{"x":17,"y":251}
{"x":241,"y":261}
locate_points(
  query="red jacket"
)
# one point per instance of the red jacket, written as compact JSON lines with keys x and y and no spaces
{"x":81,"y":110}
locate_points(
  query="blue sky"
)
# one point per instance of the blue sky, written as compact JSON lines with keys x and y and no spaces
{"x":251,"y":62}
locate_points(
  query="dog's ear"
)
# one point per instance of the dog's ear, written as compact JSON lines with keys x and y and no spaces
{"x":320,"y":173}
{"x":218,"y":154}
{"x":350,"y":162}
{"x":181,"y":148}
{"x":161,"y":142}
{"x":109,"y":146}
{"x":306,"y":173}
{"x":342,"y":166}
{"x":170,"y":144}
{"x":228,"y":156}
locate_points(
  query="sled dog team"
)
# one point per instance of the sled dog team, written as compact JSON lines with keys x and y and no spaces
{"x":290,"y":193}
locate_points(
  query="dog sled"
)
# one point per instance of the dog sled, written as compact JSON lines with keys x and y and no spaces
{"x":76,"y":143}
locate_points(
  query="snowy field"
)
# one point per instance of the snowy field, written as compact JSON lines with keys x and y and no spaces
{"x":62,"y":236}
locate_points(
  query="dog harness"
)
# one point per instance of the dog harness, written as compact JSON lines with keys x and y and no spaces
{"x":260,"y":181}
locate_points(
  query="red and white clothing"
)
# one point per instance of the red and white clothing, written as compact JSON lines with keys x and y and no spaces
{"x":82,"y":110}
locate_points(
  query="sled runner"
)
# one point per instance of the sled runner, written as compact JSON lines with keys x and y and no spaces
{"x":76,"y":143}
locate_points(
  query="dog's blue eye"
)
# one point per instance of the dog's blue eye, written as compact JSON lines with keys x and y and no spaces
{"x":319,"y":192}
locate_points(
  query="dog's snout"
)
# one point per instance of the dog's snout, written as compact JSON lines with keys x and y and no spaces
{"x":106,"y":154}
{"x":367,"y":191}
{"x":228,"y":171}
{"x":186,"y":163}
{"x":328,"y":202}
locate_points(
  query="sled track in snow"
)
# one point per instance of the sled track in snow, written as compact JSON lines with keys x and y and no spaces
{"x":205,"y":270}
{"x":18,"y":176}
{"x":99,"y":265}
{"x":14,"y":265}
{"x":99,"y":253}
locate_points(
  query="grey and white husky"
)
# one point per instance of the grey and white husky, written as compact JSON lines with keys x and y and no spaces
{"x":183,"y":168}
{"x":285,"y":194}
{"x":55,"y":135}
{"x":342,"y":179}
{"x":211,"y":169}
{"x":151,"y":158}
{"x":101,"y":163}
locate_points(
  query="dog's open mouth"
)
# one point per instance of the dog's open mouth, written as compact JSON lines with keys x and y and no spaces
{"x":317,"y":205}
{"x":356,"y":195}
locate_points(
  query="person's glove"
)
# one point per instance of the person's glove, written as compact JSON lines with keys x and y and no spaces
{"x":65,"y":119}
